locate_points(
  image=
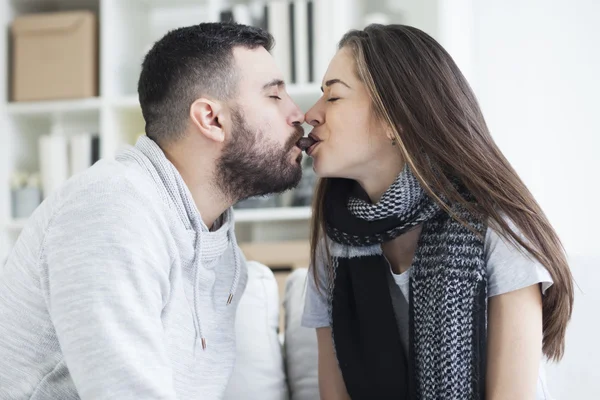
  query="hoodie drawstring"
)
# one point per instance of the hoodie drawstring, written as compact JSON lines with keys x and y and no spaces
{"x":236,"y":277}
{"x":196,"y":308}
{"x":236,"y":260}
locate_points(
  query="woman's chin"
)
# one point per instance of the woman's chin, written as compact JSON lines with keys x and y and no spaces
{"x":320,"y":167}
{"x":323,"y":170}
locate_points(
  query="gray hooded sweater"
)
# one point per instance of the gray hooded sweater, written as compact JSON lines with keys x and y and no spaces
{"x":116,"y":289}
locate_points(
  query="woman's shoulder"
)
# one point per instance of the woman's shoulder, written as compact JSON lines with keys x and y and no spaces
{"x":510,"y":266}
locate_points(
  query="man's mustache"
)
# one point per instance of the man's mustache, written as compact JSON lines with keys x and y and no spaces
{"x":298,"y":134}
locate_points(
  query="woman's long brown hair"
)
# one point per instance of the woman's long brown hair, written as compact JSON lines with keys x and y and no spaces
{"x":417,"y":89}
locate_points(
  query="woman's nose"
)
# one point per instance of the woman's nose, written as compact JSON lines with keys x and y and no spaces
{"x":314,"y":116}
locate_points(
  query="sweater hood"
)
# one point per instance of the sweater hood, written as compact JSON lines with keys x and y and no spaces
{"x":209,"y":245}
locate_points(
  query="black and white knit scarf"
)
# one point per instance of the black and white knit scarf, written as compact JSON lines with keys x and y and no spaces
{"x":447,"y":302}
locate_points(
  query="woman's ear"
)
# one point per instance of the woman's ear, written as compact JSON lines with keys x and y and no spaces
{"x":384,"y":127}
{"x":390,"y":134}
{"x":207,"y":117}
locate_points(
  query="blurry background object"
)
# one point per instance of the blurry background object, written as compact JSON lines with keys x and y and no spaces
{"x":54,"y":161}
{"x":257,"y":202}
{"x":54,"y":56}
{"x":26,"y":194}
{"x":84,"y":151}
{"x":303,"y":194}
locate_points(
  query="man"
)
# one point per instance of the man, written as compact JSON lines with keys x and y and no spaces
{"x":125,"y":283}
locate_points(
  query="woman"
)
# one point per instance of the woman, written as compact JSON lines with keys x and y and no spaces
{"x":435,"y":274}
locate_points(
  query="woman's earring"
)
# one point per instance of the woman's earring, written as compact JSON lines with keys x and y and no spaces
{"x":394,"y":142}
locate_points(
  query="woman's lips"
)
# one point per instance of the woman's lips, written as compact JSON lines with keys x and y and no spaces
{"x":310,"y":150}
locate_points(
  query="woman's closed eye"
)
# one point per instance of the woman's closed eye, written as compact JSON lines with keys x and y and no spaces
{"x":275,"y":97}
{"x":333,"y":99}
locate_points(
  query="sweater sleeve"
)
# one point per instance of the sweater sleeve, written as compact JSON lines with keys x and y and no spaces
{"x":107,"y":279}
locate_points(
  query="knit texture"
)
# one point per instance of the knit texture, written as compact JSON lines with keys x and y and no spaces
{"x":448,"y":296}
{"x":111,"y":286}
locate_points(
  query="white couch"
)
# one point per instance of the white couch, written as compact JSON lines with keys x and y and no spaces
{"x":269,"y":367}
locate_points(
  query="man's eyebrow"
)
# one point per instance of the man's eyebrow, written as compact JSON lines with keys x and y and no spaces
{"x":334,"y":81}
{"x":274,"y":82}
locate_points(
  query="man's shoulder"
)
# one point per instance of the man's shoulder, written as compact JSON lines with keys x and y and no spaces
{"x":112,"y":180}
{"x":109,"y":185}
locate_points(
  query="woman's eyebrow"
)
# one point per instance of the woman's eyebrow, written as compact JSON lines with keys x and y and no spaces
{"x":334,"y":81}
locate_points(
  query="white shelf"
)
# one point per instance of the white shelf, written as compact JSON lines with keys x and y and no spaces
{"x":311,"y":90}
{"x":16,"y":225}
{"x":272,"y":214}
{"x":268,"y":214}
{"x":126,"y":102}
{"x":173,"y":3}
{"x":54,"y":107}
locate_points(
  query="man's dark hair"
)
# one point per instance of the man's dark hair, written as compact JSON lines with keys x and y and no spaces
{"x":188,"y":63}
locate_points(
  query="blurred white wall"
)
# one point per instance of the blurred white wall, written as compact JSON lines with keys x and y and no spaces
{"x":537,"y":75}
{"x":536,"y":72}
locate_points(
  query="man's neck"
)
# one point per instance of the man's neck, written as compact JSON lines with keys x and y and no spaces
{"x":197,"y":173}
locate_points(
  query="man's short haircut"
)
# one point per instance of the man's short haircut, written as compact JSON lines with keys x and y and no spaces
{"x":188,"y":63}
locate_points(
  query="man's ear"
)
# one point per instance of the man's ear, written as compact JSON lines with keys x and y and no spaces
{"x":207,"y":117}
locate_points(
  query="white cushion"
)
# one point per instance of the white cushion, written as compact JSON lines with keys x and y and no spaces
{"x":259,"y":370}
{"x":300,"y":343}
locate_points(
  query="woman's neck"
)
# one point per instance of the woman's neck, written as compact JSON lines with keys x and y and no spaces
{"x":379,"y":179}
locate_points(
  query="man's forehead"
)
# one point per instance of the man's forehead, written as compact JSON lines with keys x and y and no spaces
{"x":256,"y":66}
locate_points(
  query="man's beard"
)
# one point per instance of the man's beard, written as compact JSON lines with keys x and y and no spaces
{"x":252,"y":165}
